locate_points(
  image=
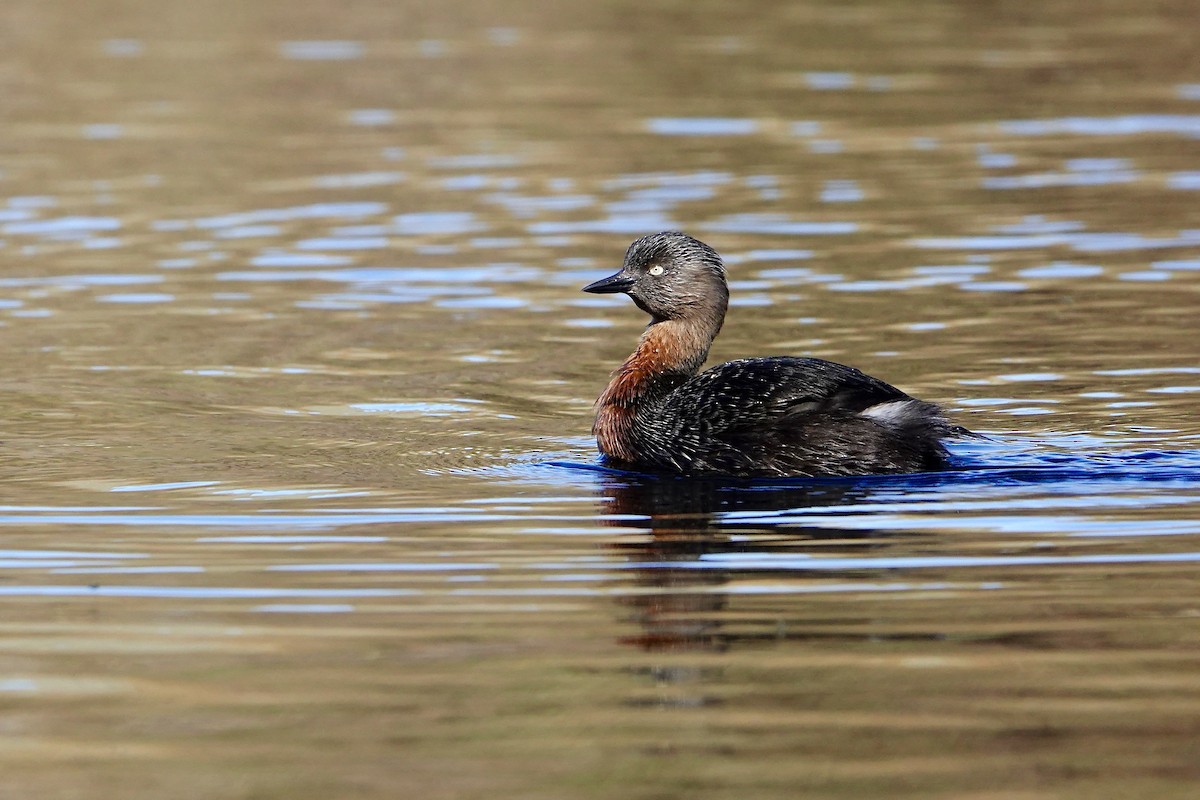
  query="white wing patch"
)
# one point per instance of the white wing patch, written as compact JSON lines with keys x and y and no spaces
{"x":897,"y":413}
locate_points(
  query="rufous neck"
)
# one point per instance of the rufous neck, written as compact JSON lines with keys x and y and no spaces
{"x":673,"y":346}
{"x":669,"y":352}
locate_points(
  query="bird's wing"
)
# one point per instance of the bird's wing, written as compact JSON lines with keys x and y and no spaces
{"x":749,"y":392}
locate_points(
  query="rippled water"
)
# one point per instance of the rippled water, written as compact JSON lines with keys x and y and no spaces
{"x":298,"y":498}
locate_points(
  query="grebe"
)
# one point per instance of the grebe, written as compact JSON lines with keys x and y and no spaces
{"x":754,"y":417}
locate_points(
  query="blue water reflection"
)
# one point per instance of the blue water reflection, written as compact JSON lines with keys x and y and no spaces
{"x":1123,"y":125}
{"x":322,"y":50}
{"x":701,"y":126}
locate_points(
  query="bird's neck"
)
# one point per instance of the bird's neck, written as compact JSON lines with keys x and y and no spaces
{"x":668,"y":353}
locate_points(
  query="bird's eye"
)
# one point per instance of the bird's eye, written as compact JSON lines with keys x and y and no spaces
{"x":657,"y":269}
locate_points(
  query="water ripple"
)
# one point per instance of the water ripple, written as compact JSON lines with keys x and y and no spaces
{"x":791,"y":562}
{"x":1124,"y":125}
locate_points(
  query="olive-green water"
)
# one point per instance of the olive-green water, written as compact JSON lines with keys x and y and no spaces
{"x":295,"y":493}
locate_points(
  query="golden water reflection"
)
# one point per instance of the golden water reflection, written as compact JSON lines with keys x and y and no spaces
{"x":297,"y":497}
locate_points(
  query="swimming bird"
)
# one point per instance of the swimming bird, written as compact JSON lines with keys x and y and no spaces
{"x":781,"y":416}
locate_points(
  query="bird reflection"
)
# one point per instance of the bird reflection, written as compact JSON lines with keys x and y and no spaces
{"x":681,"y":607}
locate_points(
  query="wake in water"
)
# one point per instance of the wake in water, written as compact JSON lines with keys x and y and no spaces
{"x":982,"y":461}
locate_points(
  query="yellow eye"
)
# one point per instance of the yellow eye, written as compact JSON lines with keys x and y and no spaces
{"x":656,"y":269}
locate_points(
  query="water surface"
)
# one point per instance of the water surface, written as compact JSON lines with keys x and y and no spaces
{"x":298,"y":498}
